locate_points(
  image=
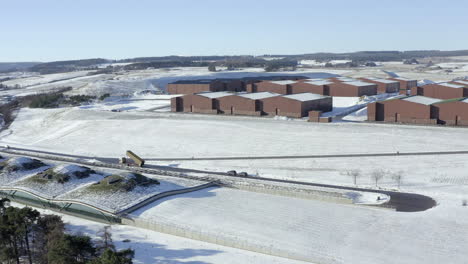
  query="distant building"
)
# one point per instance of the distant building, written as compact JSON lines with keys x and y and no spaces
{"x":384,"y":85}
{"x":311,"y":86}
{"x":244,"y":103}
{"x":352,"y":88}
{"x":413,"y":109}
{"x":205,"y":103}
{"x":280,"y":87}
{"x":297,"y":105}
{"x":441,"y":90}
{"x":453,"y":112}
{"x":405,"y":84}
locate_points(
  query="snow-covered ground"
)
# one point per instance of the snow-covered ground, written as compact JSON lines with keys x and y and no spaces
{"x":116,"y":201}
{"x":154,"y":247}
{"x":322,"y":232}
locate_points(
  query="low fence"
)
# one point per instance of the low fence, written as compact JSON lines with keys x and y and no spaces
{"x":223,"y":239}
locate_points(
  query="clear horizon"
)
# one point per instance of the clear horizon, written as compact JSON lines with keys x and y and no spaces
{"x":55,"y":30}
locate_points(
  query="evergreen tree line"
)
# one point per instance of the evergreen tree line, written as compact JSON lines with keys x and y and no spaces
{"x":26,"y":236}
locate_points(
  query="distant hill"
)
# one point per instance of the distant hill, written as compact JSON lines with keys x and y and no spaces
{"x":66,"y":66}
{"x":243,"y":61}
{"x":16,"y":66}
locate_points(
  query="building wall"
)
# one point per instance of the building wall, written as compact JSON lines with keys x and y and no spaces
{"x":302,"y":87}
{"x":343,"y":89}
{"x":453,"y":113}
{"x":272,"y":87}
{"x":292,"y":108}
{"x":282,"y":106}
{"x":384,"y":87}
{"x":404,"y":112}
{"x":323,"y":105}
{"x":441,"y":92}
{"x":406,"y":85}
{"x":193,"y":103}
{"x":185,"y":88}
{"x":237,"y":105}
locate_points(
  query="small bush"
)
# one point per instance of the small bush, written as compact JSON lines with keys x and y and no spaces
{"x":46,"y":100}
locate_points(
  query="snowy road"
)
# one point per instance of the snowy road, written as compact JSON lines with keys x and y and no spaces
{"x":400,"y":201}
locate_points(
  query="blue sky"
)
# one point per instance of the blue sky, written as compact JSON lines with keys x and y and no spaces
{"x":46,"y":30}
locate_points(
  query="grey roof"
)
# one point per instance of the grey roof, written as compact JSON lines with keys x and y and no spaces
{"x":451,"y":85}
{"x":214,"y":94}
{"x":402,"y":79}
{"x":346,"y":79}
{"x":256,"y":96}
{"x":359,"y":83}
{"x":319,"y":82}
{"x":462,"y":82}
{"x":422,"y":100}
{"x":284,"y":82}
{"x":382,"y":80}
{"x":305,"y":96}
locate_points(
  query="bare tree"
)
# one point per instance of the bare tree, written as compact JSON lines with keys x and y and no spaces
{"x":398,"y":176}
{"x":377,"y":175}
{"x":354,"y":174}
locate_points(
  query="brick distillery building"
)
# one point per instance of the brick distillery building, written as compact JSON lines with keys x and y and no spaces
{"x":441,"y":90}
{"x":256,"y":104}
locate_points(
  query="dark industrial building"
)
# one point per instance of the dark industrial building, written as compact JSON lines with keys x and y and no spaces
{"x":441,"y":90}
{"x":204,"y":103}
{"x":254,"y":104}
{"x":280,"y":87}
{"x":243,"y":103}
{"x":198,"y":86}
{"x":297,"y":105}
{"x":412,"y":109}
{"x":223,"y":84}
{"x":311,"y":86}
{"x":352,"y":89}
{"x":453,"y":112}
{"x":405,"y":84}
{"x":384,"y":85}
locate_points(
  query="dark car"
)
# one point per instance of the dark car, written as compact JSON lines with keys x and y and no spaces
{"x":232,"y":173}
{"x":242,"y":174}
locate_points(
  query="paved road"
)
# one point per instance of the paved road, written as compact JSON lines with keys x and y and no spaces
{"x":355,"y":155}
{"x":400,"y":201}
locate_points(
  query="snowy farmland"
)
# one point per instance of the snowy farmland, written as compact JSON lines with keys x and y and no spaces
{"x":154,"y":247}
{"x":319,"y":232}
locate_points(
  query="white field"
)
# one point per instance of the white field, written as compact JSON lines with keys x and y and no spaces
{"x":321,"y":232}
{"x":154,"y":247}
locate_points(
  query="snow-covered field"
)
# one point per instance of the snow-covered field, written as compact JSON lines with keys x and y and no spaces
{"x":116,"y":201}
{"x":330,"y":233}
{"x":154,"y":247}
{"x":322,"y":232}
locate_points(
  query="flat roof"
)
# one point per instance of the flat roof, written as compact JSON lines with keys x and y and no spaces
{"x":346,"y":79}
{"x":284,"y":82}
{"x":382,"y":80}
{"x":462,"y":82}
{"x":256,"y":96}
{"x":319,"y":82}
{"x":422,"y":100}
{"x":451,"y":85}
{"x":403,"y":79}
{"x":214,"y":94}
{"x":305,"y":96}
{"x":359,"y":83}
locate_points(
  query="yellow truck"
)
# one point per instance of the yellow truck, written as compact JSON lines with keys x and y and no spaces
{"x":138,"y":161}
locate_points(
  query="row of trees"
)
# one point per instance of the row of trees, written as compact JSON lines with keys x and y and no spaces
{"x":26,"y":236}
{"x":376,"y":176}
